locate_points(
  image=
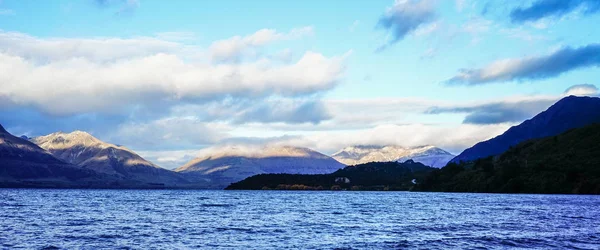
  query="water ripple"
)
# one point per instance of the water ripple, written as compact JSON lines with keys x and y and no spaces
{"x":183,"y":219}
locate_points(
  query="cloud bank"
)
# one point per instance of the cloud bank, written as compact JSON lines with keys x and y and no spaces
{"x":70,"y":76}
{"x":509,"y":111}
{"x":582,"y":90}
{"x":531,"y":68}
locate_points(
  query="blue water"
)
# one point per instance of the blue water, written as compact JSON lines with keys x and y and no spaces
{"x":167,"y":219}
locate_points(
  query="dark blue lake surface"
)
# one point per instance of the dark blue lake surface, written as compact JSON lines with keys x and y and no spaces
{"x":167,"y":219}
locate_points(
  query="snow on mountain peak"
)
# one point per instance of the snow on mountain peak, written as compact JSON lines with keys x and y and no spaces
{"x":253,"y":151}
{"x":427,"y":154}
{"x":61,"y":140}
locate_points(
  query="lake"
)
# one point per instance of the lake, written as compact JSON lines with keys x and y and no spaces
{"x":168,"y":219}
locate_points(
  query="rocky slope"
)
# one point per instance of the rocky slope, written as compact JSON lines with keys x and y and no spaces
{"x":223,"y":166}
{"x":428,"y":155}
{"x":568,"y":113}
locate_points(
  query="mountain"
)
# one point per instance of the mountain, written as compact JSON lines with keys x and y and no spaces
{"x":369,"y":176}
{"x":230,"y":164}
{"x":570,"y":112}
{"x":566,"y":163}
{"x":428,"y":155}
{"x":24,"y":164}
{"x":432,"y":157}
{"x":87,"y":152}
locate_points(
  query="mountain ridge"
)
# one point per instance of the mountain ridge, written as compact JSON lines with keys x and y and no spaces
{"x":236,"y":163}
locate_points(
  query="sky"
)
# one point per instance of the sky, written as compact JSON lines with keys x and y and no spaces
{"x":168,"y":79}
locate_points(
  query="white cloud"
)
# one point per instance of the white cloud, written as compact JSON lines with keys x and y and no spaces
{"x":78,"y":85}
{"x":233,"y":48}
{"x":563,"y":60}
{"x":101,"y":50}
{"x":582,"y":90}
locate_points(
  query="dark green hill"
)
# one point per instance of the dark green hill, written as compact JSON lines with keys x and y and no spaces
{"x":369,"y":176}
{"x":566,"y":163}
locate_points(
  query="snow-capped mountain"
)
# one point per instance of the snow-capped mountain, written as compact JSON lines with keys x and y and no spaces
{"x":225,"y":165}
{"x":86,"y":151}
{"x":434,"y":157}
{"x":428,"y":155}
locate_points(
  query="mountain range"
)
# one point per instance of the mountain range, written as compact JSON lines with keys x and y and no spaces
{"x":570,"y":112}
{"x":80,"y":160}
{"x":428,"y":155}
{"x":87,"y":152}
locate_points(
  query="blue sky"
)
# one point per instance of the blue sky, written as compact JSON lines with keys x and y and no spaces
{"x":168,"y":78}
